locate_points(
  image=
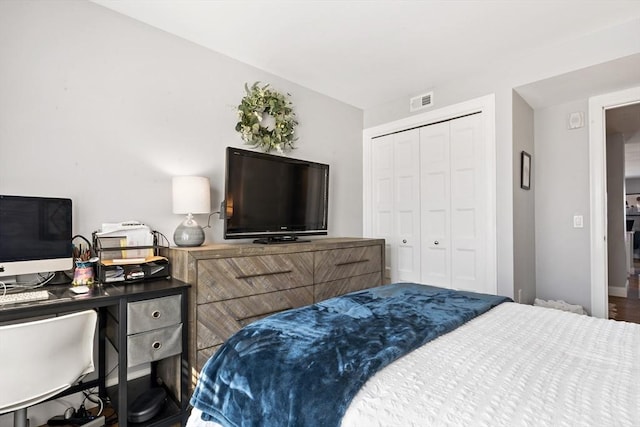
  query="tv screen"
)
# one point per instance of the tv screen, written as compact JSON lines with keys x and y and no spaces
{"x":273,"y":197}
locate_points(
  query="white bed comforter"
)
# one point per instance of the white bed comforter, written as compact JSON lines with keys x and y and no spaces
{"x":516,"y":365}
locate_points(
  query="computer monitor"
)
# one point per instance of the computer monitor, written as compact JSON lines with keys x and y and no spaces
{"x":35,"y":235}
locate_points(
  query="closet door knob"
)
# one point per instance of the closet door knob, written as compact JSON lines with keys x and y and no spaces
{"x":436,"y":242}
{"x":404,"y":240}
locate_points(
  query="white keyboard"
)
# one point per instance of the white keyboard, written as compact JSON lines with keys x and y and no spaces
{"x":24,"y":297}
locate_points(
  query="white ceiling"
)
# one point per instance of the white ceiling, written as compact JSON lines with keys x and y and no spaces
{"x":367,"y":53}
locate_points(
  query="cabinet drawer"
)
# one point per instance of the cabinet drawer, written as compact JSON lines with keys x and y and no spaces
{"x":341,"y":263}
{"x":154,"y":345}
{"x":217,"y":321}
{"x":334,"y":288}
{"x":227,"y":278}
{"x":153,"y":313}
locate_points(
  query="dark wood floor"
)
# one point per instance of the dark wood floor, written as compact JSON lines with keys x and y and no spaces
{"x":628,"y":309}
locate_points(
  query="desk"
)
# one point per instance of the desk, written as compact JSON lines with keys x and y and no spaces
{"x":109,"y":299}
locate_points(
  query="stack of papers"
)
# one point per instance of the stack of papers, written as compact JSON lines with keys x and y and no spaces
{"x":115,"y":239}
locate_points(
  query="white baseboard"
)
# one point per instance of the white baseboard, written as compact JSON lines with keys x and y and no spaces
{"x":619,"y":291}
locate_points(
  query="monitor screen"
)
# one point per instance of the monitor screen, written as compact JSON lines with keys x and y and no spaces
{"x":268,"y":195}
{"x":35,"y":235}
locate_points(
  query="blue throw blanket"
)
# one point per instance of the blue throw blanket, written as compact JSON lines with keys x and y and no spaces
{"x":303,"y":367}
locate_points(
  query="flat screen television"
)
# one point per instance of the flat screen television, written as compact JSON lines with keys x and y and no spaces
{"x":35,"y":235}
{"x":273,"y":198}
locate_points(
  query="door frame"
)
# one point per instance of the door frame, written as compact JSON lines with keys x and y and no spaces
{"x":485,"y":105}
{"x":598,"y":195}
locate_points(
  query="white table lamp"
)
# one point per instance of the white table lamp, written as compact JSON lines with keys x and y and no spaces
{"x":191,"y":195}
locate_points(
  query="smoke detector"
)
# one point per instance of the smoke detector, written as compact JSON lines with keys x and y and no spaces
{"x":421,"y":101}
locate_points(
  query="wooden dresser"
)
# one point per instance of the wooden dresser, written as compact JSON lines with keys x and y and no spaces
{"x":235,"y":284}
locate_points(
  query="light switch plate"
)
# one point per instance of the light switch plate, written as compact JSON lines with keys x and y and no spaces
{"x":578,"y":221}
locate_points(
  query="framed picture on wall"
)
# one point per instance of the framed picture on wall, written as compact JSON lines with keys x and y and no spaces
{"x":525,"y":170}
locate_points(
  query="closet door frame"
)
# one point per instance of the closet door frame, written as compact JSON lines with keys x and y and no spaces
{"x":485,"y":105}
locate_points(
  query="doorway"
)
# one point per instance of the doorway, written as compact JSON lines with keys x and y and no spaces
{"x":598,"y":107}
{"x":622,"y":130}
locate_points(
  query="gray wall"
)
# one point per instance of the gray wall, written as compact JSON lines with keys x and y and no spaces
{"x":616,"y":226}
{"x":632,"y":185}
{"x":562,"y":191}
{"x":103,"y":109}
{"x":524,"y":268}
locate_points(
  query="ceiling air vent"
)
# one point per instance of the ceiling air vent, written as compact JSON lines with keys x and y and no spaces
{"x":422,"y":101}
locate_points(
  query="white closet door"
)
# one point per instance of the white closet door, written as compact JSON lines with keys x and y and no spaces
{"x":382,"y":196}
{"x":396,"y":202}
{"x":468,"y":205}
{"x":407,"y":198}
{"x":453,"y":207}
{"x":435,"y":205}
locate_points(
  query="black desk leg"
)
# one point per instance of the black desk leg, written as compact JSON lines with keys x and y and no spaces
{"x":122,"y":363}
{"x":102,"y":353}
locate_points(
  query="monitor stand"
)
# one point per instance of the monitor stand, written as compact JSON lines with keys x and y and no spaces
{"x":59,"y":278}
{"x":279,"y":239}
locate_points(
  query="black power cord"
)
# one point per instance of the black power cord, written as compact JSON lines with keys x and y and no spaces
{"x":73,"y":417}
{"x":81,"y":416}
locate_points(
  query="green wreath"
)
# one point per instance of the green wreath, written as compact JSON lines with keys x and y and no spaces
{"x":266,"y":119}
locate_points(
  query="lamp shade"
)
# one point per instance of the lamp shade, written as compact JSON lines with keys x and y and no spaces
{"x":191,"y":194}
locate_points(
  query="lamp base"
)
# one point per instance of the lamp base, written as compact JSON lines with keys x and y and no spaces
{"x":188,"y":233}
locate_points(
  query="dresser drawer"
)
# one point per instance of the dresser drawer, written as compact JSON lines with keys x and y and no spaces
{"x":154,"y":345}
{"x":153,"y":313}
{"x":342,"y":263}
{"x":335,"y":288}
{"x":217,"y":321}
{"x":202,"y":356}
{"x":227,"y":278}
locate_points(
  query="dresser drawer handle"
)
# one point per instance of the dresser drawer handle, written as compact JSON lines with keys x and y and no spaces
{"x":256,"y":315}
{"x":156,"y":345}
{"x":351,"y":262}
{"x":156,"y":314}
{"x":273,"y":273}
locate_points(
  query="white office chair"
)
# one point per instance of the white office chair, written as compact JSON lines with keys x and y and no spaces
{"x":39,"y":359}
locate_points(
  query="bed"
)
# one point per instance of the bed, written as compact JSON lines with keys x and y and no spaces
{"x":497,"y":364}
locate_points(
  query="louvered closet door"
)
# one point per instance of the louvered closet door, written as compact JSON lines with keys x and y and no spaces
{"x":453,"y":209}
{"x":396,"y":199}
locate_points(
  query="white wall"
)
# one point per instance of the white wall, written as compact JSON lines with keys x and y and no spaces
{"x":562,"y":191}
{"x":523,"y":204}
{"x":501,"y":78}
{"x":105,"y":110}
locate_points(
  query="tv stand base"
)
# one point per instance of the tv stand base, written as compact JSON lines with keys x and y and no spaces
{"x":279,"y":239}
